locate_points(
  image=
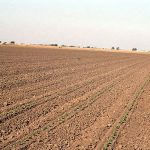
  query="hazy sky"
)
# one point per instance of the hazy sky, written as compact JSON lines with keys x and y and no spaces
{"x":100,"y":23}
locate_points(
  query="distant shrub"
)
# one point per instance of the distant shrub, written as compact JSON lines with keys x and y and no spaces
{"x":63,"y":46}
{"x":113,"y":48}
{"x":4,"y":43}
{"x":53,"y":44}
{"x":118,"y":48}
{"x":134,"y":49}
{"x":12,"y":42}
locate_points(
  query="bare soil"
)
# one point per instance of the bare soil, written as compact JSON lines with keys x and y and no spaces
{"x":64,"y":99}
{"x":136,"y":133}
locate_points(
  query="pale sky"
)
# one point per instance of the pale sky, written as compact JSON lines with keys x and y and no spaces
{"x":98,"y":23}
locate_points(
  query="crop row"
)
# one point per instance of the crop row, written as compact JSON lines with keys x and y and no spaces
{"x":69,"y":114}
{"x":49,"y":96}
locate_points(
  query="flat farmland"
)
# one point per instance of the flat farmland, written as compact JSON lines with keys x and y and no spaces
{"x":67,"y":99}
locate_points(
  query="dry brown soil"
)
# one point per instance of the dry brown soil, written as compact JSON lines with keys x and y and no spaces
{"x":61,"y":99}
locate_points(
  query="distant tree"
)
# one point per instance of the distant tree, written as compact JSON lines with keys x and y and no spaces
{"x":0,"y":42}
{"x":134,"y":49}
{"x":118,"y":48}
{"x":113,"y":48}
{"x":12,"y":42}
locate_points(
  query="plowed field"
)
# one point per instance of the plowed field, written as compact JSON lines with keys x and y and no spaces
{"x":63,"y":99}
